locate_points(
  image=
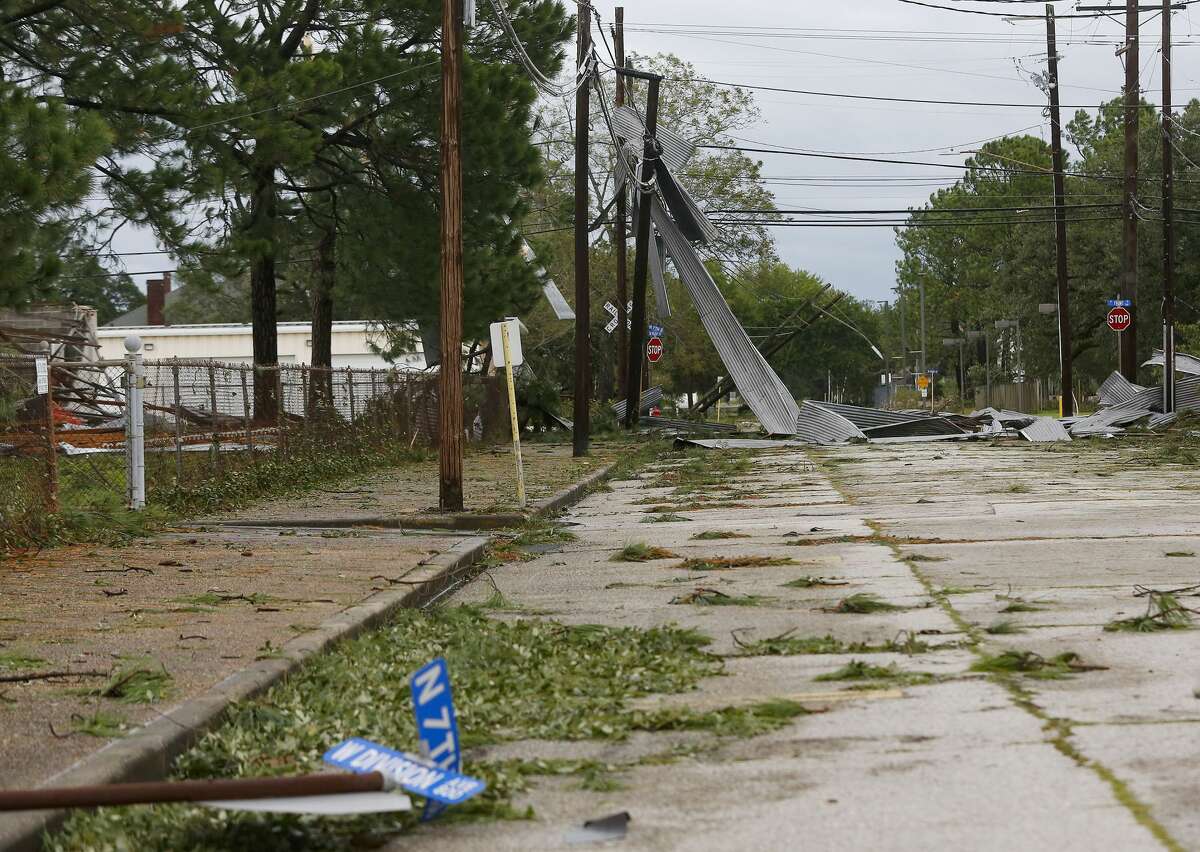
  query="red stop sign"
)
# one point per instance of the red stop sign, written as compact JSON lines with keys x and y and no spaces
{"x":654,"y":350}
{"x":1119,"y":319}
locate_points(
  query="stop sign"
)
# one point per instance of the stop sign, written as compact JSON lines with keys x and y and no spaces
{"x":1119,"y":319}
{"x":654,"y":349}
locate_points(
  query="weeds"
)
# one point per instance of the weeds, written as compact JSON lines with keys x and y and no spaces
{"x":642,"y":552}
{"x":862,"y":603}
{"x":924,"y":557}
{"x":664,"y":519}
{"x":857,"y":670}
{"x":701,"y":596}
{"x":749,"y":721}
{"x":787,"y":645}
{"x":1163,"y":612}
{"x":717,"y":535}
{"x":809,"y":582}
{"x":100,"y":724}
{"x":723,"y":563}
{"x":1033,"y":665}
{"x":1003,"y":628}
{"x":17,"y":660}
{"x":138,"y":682}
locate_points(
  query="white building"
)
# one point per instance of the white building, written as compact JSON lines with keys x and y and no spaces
{"x":233,"y":343}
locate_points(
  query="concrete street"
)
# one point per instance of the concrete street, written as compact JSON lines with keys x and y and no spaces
{"x":952,"y":534}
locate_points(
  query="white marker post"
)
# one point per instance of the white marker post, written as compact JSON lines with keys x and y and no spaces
{"x":510,"y":354}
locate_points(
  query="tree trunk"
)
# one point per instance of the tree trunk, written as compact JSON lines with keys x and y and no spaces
{"x":321,"y":386}
{"x":262,"y":294}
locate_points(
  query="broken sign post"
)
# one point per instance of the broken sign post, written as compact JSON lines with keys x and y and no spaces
{"x":437,"y":724}
{"x":506,"y":352}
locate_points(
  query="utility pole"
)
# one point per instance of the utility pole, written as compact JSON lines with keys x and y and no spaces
{"x":583,"y":336}
{"x":1168,"y":213}
{"x":1060,"y":224}
{"x":450,"y":399}
{"x":921,"y":286}
{"x":903,"y":336}
{"x":622,"y":214}
{"x":1129,"y":247}
{"x":641,"y":252}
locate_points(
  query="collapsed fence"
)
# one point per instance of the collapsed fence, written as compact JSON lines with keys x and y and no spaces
{"x":99,"y":436}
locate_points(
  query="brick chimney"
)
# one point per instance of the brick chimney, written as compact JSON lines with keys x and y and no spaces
{"x":156,"y":299}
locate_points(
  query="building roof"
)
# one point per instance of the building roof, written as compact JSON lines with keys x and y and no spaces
{"x":138,"y":316}
{"x":226,"y":328}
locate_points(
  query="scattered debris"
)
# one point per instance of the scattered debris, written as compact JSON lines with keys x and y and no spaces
{"x":1163,"y":612}
{"x":1034,"y":665}
{"x":702,"y":596}
{"x":611,"y":827}
{"x":715,"y":535}
{"x":723,"y":563}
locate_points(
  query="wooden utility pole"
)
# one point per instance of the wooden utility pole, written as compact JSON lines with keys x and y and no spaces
{"x":1060,"y":224}
{"x":1129,"y":247}
{"x":583,"y":328}
{"x":1168,"y":214}
{"x":619,"y":235}
{"x":450,"y":400}
{"x":641,"y":252}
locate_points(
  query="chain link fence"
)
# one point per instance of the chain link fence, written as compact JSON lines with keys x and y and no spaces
{"x":27,"y":457}
{"x":202,"y":432}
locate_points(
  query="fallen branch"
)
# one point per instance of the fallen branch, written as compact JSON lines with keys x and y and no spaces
{"x":19,"y":678}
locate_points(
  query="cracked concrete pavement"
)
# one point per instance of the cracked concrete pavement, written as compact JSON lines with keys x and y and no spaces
{"x":951,"y":534}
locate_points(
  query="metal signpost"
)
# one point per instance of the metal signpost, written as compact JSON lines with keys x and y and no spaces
{"x":506,"y":350}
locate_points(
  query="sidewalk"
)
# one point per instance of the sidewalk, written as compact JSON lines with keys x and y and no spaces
{"x":907,"y":745}
{"x":197,"y":603}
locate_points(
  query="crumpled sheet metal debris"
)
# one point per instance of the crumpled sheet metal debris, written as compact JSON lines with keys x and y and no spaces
{"x":922,"y":427}
{"x":1045,"y":430}
{"x":676,"y":150}
{"x":1117,"y":389}
{"x":650,"y":398}
{"x":868,"y":418}
{"x":757,"y":383}
{"x":735,"y":443}
{"x":685,"y":425}
{"x":1184,"y":363}
{"x":818,"y":424}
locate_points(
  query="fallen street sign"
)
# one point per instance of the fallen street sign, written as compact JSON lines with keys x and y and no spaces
{"x":437,"y":724}
{"x":1119,"y":319}
{"x":654,"y":350}
{"x":405,"y":770}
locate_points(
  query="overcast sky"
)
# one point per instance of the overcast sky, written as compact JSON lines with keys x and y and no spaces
{"x":870,"y":47}
{"x":875,"y":47}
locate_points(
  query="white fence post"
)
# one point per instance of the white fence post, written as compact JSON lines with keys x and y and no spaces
{"x":135,"y":429}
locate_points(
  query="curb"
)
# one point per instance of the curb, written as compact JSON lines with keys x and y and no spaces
{"x":463,"y":521}
{"x":147,"y":754}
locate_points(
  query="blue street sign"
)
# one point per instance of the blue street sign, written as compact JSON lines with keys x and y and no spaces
{"x":1120,"y":303}
{"x":654,"y":330}
{"x":437,"y":725}
{"x":442,"y":786}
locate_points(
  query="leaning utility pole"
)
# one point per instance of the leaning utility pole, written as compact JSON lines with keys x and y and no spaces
{"x":621,"y":227}
{"x":637,"y":337}
{"x":1060,"y":224}
{"x":583,"y":306}
{"x":450,"y":399}
{"x":1168,"y":213}
{"x":1129,"y":246}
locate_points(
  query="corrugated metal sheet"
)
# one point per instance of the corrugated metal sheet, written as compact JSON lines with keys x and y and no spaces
{"x":1145,"y":399}
{"x":1184,"y":363}
{"x":915,"y":428}
{"x":1187,"y":395}
{"x":1045,"y":429}
{"x":819,"y":425}
{"x":650,"y":397}
{"x":555,"y":297}
{"x":662,"y":301}
{"x":758,"y":385}
{"x":735,"y":443}
{"x":685,"y":425}
{"x":1117,"y":389}
{"x":676,"y":150}
{"x":868,"y":418}
{"x":1108,"y":421}
{"x":1157,"y":421}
